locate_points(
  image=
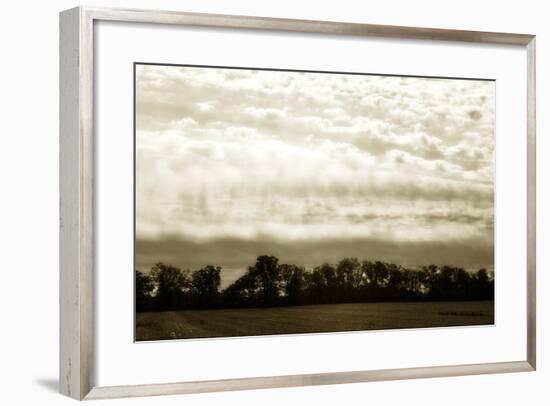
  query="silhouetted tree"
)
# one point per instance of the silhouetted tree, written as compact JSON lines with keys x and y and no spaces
{"x":171,"y":284}
{"x":483,"y":285}
{"x":269,"y":284}
{"x":329,"y":281}
{"x":348,"y":274}
{"x":428,"y":276}
{"x":244,"y":291}
{"x":315,"y":286}
{"x":293,"y":282}
{"x":395,"y":278}
{"x":412,"y":286}
{"x":205,"y":284}
{"x":268,"y":273}
{"x":144,"y":289}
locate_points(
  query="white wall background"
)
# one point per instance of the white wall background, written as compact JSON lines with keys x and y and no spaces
{"x":29,"y":200}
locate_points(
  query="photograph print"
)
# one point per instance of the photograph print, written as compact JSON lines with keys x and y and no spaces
{"x":283,"y":202}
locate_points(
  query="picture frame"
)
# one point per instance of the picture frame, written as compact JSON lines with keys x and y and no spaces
{"x":77,"y":185}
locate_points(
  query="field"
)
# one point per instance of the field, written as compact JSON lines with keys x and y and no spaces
{"x":309,"y":319}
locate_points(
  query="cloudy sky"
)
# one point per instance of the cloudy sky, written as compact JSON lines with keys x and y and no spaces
{"x":311,"y":167}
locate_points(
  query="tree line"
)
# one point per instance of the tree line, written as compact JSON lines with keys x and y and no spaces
{"x":268,"y":283}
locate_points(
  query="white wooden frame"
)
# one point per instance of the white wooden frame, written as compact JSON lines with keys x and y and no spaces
{"x":77,"y":205}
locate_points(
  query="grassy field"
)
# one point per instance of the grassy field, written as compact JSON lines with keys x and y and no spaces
{"x":309,"y":319}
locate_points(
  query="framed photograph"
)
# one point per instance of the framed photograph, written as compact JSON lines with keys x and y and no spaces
{"x":240,"y":195}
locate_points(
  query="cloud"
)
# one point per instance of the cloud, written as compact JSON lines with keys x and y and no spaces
{"x":286,"y":156}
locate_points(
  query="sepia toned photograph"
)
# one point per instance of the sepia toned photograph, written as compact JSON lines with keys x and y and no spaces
{"x":287,"y":202}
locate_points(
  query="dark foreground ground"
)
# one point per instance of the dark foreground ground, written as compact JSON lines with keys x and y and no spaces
{"x":310,"y":319}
